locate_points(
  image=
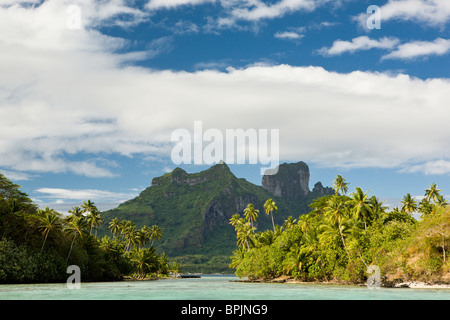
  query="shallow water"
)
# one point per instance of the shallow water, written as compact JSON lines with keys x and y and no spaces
{"x":212,"y":288}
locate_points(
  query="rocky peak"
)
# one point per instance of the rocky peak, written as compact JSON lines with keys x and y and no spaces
{"x":291,"y":182}
{"x":319,"y":189}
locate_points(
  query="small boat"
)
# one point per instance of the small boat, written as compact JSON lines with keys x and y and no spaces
{"x":185,"y":276}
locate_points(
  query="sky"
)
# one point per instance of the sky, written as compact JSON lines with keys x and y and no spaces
{"x":91,"y":91}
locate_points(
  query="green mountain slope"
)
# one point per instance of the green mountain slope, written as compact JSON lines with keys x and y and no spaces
{"x":193,"y":211}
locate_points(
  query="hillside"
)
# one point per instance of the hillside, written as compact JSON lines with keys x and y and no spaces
{"x":193,"y":210}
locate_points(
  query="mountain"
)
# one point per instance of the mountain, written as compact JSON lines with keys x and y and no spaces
{"x":194,"y":209}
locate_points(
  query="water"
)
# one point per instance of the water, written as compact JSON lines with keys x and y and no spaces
{"x":212,"y":288}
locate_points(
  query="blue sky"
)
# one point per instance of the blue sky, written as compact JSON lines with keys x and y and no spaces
{"x":90,"y":91}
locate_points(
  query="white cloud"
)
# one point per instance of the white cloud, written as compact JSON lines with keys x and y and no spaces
{"x":416,"y":49}
{"x":290,"y":35}
{"x":357,"y":44}
{"x":436,"y":167}
{"x":65,"y":92}
{"x":16,"y":176}
{"x":63,"y":200}
{"x":169,"y":4}
{"x":430,"y":12}
{"x":81,"y":194}
{"x":234,"y":11}
{"x":257,"y":10}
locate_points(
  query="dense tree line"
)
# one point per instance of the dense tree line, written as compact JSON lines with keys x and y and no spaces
{"x":343,"y":235}
{"x":37,"y":245}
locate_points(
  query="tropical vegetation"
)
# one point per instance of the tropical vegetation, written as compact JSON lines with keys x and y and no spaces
{"x":345,"y":234}
{"x":37,"y":245}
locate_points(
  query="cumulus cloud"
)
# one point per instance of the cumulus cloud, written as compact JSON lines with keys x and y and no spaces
{"x":357,"y":44}
{"x":64,"y":200}
{"x":436,"y":167}
{"x":416,"y":49}
{"x":169,"y":4}
{"x":65,"y":93}
{"x":293,"y":34}
{"x":82,"y":194}
{"x":233,"y":11}
{"x":431,"y":12}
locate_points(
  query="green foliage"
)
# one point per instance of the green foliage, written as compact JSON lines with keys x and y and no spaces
{"x":38,"y":245}
{"x":343,"y":235}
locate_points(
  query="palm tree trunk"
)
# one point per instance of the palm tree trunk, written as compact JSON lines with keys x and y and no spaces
{"x":45,"y":239}
{"x":443,"y":246}
{"x":342,"y":238}
{"x":71,"y":246}
{"x":273,"y":224}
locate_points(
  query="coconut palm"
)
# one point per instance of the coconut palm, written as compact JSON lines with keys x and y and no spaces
{"x":337,"y":212}
{"x":77,"y":226}
{"x":235,"y":218}
{"x":361,"y":206}
{"x":245,"y":235}
{"x":74,"y":212}
{"x":114,"y":226}
{"x":175,"y":269}
{"x":146,"y":261}
{"x":94,"y":219}
{"x":251,"y":214}
{"x":289,"y":223}
{"x":441,"y":202}
{"x":432,"y":193}
{"x":88,"y":207}
{"x":266,"y":238}
{"x":48,"y":221}
{"x":130,"y":236}
{"x":155,"y":233}
{"x":339,"y":184}
{"x":269,"y":207}
{"x":425,"y":207}
{"x":376,"y":207}
{"x":409,"y":204}
{"x":293,"y":260}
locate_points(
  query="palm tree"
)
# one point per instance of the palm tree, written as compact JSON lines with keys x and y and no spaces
{"x":336,"y":212}
{"x":237,"y":257}
{"x":361,"y":206}
{"x":94,"y":219}
{"x":409,"y":204}
{"x":245,"y":235}
{"x":339,"y":184}
{"x":175,"y":269}
{"x":130,"y":236}
{"x":441,"y":202}
{"x":376,"y":207}
{"x":432,"y":193}
{"x":146,"y":260}
{"x":289,"y":223}
{"x":48,"y":221}
{"x":269,"y":207}
{"x":235,"y":218}
{"x":114,"y":226}
{"x":266,"y":238}
{"x":304,"y":222}
{"x":88,"y":207}
{"x":155,"y":233}
{"x":77,"y":226}
{"x":250,"y":213}
{"x":76,"y":211}
{"x":425,"y":207}
{"x":293,"y":260}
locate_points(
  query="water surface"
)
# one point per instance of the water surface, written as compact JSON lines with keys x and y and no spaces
{"x":212,"y":288}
